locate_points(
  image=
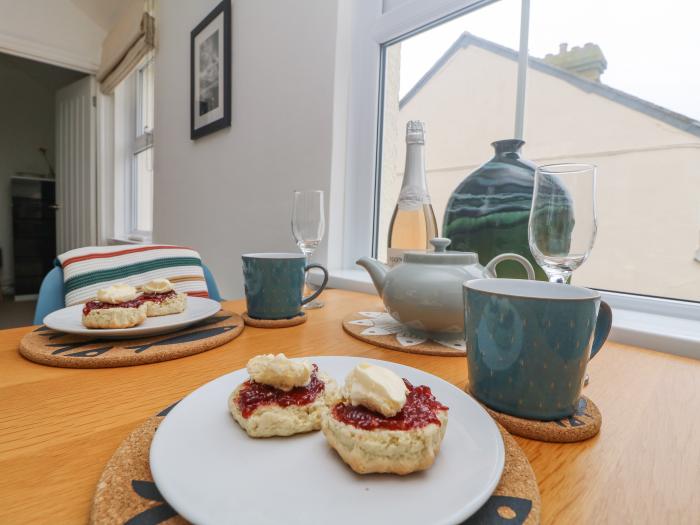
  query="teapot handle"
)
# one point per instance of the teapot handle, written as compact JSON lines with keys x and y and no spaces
{"x":491,"y":266}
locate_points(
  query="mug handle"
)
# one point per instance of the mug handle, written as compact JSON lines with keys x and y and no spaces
{"x":323,"y":284}
{"x":602,"y":328}
{"x":491,"y":266}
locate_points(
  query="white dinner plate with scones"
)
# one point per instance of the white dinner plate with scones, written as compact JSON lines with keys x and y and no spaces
{"x":211,"y":471}
{"x":69,"y":320}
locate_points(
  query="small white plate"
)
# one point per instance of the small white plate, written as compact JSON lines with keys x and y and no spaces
{"x":211,"y":472}
{"x":69,"y":320}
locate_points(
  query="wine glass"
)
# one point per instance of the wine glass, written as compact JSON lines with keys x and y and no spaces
{"x":563,"y":224}
{"x":308,"y":226}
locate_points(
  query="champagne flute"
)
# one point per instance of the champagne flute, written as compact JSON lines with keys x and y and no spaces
{"x":308,"y":226}
{"x":563,"y":224}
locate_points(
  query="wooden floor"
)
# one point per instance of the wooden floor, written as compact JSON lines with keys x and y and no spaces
{"x":14,"y":314}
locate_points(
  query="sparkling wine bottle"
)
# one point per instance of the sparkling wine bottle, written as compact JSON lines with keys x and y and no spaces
{"x":413,"y":222}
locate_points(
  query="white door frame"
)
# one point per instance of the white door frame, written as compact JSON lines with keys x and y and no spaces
{"x":24,"y":48}
{"x":104,"y":120}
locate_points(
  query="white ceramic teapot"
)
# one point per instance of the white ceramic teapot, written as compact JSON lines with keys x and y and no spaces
{"x":425,"y":291}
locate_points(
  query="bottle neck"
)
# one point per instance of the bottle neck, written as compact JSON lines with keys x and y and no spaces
{"x":414,"y":188}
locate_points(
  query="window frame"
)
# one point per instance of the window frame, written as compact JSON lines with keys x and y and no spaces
{"x":353,"y":234}
{"x":372,"y":31}
{"x":133,"y":142}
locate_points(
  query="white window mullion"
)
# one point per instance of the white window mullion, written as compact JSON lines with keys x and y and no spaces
{"x":523,"y":55}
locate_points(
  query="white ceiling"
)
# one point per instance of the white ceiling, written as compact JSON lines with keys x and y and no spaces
{"x":103,"y":12}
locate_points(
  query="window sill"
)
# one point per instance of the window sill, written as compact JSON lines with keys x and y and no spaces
{"x":126,"y":240}
{"x":636,"y":320}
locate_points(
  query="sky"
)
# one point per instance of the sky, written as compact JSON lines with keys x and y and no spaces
{"x":652,"y":48}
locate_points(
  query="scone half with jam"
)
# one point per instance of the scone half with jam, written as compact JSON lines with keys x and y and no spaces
{"x":282,"y":397}
{"x":117,"y":306}
{"x":384,"y":424}
{"x":160,"y":298}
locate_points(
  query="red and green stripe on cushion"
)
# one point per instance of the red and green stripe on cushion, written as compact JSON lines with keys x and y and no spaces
{"x":86,"y":270}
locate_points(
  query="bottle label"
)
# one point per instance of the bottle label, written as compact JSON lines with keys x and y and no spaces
{"x":394,"y":256}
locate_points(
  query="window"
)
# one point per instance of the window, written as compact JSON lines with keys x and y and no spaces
{"x":134,"y":101}
{"x":142,"y":171}
{"x":609,"y":84}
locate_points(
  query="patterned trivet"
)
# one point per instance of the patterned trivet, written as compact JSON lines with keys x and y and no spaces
{"x":274,"y":323}
{"x":380,"y":329}
{"x":581,"y":425}
{"x":126,"y":493}
{"x":48,"y":347}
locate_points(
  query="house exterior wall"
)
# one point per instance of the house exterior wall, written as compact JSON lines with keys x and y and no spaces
{"x":648,"y":177}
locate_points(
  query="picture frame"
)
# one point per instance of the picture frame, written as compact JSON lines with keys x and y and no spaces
{"x":210,"y":72}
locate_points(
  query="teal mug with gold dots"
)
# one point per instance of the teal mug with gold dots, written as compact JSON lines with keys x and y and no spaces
{"x":274,"y":284}
{"x":528,"y":344}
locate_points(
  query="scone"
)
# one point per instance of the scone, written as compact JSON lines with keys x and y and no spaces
{"x":300,"y":396}
{"x":371,"y":442}
{"x":161,"y":299}
{"x":117,"y":306}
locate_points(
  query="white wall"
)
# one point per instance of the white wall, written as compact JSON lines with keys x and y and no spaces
{"x":56,"y":31}
{"x":27,"y":91}
{"x":231,"y":192}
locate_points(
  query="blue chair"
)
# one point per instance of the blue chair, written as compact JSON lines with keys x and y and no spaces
{"x":52,"y":296}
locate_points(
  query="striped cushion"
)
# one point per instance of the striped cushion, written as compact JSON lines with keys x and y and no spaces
{"x":86,"y":270}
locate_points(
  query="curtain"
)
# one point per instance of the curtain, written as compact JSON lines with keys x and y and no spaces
{"x":131,"y":39}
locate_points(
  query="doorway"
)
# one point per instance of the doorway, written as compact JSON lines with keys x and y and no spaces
{"x":28,"y":141}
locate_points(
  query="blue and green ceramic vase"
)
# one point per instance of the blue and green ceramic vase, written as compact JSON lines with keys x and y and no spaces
{"x":489,"y":211}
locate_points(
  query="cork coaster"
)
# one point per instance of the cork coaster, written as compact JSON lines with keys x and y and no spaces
{"x":126,"y":492}
{"x":380,"y":329}
{"x":274,"y":323}
{"x":516,"y":499}
{"x":581,"y":425}
{"x":48,"y":347}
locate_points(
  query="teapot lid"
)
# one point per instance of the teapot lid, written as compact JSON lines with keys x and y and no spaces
{"x":441,"y":255}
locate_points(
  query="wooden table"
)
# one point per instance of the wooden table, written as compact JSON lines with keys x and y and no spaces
{"x":58,"y":427}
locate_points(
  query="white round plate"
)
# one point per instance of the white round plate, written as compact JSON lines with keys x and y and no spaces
{"x":69,"y":320}
{"x":211,"y":472}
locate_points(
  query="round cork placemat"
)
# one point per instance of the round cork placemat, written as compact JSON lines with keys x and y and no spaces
{"x":380,"y":329}
{"x":581,"y":425}
{"x":126,"y":492}
{"x":48,"y":347}
{"x":274,"y":323}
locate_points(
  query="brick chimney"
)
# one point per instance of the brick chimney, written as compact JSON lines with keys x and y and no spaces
{"x":587,"y":61}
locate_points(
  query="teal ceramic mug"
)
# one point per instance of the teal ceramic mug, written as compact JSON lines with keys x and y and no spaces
{"x":528,"y":344}
{"x":274,"y":284}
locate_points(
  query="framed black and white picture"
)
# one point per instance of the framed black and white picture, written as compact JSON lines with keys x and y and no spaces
{"x":210,"y":72}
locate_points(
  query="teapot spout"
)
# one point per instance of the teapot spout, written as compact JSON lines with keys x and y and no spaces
{"x":377,"y":271}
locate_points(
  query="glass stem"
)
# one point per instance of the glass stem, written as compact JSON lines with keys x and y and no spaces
{"x":307,"y":254}
{"x":560,"y":277}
